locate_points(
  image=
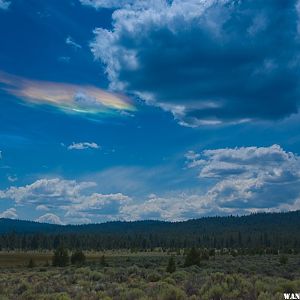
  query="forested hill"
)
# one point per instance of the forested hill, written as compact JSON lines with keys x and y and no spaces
{"x":263,"y":230}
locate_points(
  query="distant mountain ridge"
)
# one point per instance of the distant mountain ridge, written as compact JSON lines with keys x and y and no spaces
{"x":255,"y":233}
{"x":287,"y":220}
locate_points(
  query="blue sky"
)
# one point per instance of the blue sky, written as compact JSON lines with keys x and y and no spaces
{"x":125,"y":110}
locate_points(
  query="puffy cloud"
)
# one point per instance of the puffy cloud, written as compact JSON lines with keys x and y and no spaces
{"x":10,"y":213}
{"x":171,"y":208}
{"x":47,"y":191}
{"x":4,"y":4}
{"x":176,"y":207}
{"x":207,"y":62}
{"x":50,"y":218}
{"x":96,"y":202}
{"x":231,"y":180}
{"x":237,"y":180}
{"x":250,"y":177}
{"x":100,"y":206}
{"x":71,"y":198}
{"x":83,"y":146}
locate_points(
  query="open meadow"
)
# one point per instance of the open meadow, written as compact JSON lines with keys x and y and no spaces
{"x":145,"y":275}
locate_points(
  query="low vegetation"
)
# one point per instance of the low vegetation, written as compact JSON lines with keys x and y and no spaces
{"x":125,"y":275}
{"x":253,"y":257}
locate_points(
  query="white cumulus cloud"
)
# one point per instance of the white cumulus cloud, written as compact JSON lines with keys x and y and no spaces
{"x":10,"y":213}
{"x":47,"y":191}
{"x":250,"y":177}
{"x":50,"y":218}
{"x":74,"y":200}
{"x":207,"y":62}
{"x":231,"y":180}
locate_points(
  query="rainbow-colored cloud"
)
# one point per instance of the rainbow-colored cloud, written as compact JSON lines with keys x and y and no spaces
{"x":70,"y":98}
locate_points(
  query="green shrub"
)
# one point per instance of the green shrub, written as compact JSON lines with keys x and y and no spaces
{"x":283,"y":259}
{"x":103,"y":296}
{"x":260,"y":286}
{"x":180,"y":276}
{"x":288,"y":287}
{"x":24,"y":286}
{"x":264,"y":296}
{"x":28,"y":295}
{"x":153,"y":276}
{"x":226,"y":287}
{"x":132,"y":294}
{"x":133,"y":270}
{"x":96,"y":276}
{"x":78,"y":258}
{"x":83,"y":270}
{"x":215,"y":292}
{"x":170,"y":292}
{"x":62,"y":296}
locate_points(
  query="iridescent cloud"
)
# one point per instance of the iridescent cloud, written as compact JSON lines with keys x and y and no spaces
{"x":70,"y":98}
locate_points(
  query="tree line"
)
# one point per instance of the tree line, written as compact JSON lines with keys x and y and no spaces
{"x":257,"y":233}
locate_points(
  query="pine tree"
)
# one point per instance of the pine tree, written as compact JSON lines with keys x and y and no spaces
{"x":171,"y":268}
{"x":31,"y":263}
{"x":103,"y":261}
{"x":192,"y":258}
{"x":60,"y":257}
{"x":205,"y":254}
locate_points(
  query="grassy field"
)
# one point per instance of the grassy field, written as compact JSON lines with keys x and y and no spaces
{"x":130,"y":276}
{"x":21,"y":259}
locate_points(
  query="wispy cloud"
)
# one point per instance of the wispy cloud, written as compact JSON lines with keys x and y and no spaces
{"x":4,"y":4}
{"x":70,"y":98}
{"x":71,"y":42}
{"x":12,"y":178}
{"x":83,"y":146}
{"x":42,"y":207}
{"x":64,"y":59}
